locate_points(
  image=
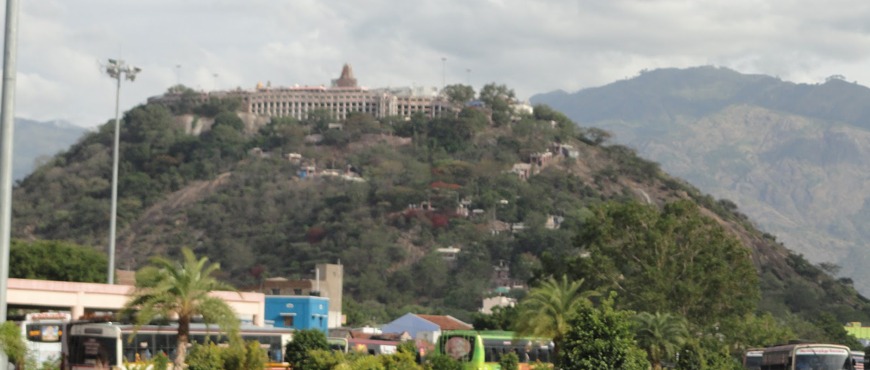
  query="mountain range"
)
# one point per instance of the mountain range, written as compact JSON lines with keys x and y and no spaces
{"x":793,"y":157}
{"x":36,"y":142}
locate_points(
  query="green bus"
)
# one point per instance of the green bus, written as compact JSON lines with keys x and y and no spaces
{"x":478,"y":350}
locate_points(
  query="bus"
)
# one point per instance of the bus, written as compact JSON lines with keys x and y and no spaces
{"x":43,"y":332}
{"x":484,"y":349}
{"x":752,"y":358}
{"x":112,"y":345}
{"x":337,"y":344}
{"x":807,"y":356}
{"x":860,"y":361}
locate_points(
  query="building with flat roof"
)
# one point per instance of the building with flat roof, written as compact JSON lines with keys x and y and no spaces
{"x":298,"y":312}
{"x":343,"y":97}
{"x":328,"y":282}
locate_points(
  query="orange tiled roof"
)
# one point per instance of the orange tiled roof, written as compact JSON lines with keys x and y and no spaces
{"x":446,"y":322}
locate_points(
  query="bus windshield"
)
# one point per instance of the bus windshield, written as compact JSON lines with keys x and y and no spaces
{"x":92,"y":351}
{"x":807,"y":360}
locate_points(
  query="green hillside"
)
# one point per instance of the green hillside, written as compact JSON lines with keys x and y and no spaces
{"x":388,"y":194}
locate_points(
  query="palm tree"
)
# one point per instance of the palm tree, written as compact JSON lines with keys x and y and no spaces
{"x":168,"y":289}
{"x":545,"y":310}
{"x":660,"y":335}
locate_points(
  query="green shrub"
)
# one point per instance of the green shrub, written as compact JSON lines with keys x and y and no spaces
{"x":255,"y":356}
{"x":437,"y":361}
{"x":322,"y":359}
{"x":205,"y":357}
{"x":160,"y":361}
{"x":233,"y":357}
{"x":510,"y":361}
{"x":367,"y":363}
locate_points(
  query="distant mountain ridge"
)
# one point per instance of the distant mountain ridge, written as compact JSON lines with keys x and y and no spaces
{"x":34,"y":140}
{"x":792,"y":156}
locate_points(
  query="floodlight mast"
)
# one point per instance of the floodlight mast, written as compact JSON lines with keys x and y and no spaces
{"x":115,"y":69}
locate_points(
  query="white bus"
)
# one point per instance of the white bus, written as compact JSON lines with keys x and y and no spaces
{"x":860,"y":361}
{"x":43,"y":333}
{"x":112,"y":345}
{"x":752,"y":358}
{"x":807,"y":356}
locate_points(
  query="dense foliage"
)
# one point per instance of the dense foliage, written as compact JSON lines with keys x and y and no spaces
{"x":602,"y":338}
{"x":56,"y":260}
{"x":296,"y":352}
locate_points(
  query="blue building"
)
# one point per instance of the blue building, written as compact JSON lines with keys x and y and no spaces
{"x":298,"y":312}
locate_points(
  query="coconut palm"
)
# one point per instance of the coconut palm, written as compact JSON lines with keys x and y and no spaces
{"x":660,"y":335}
{"x":545,"y":310}
{"x":168,"y":289}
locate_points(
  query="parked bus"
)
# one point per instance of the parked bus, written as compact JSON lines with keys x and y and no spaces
{"x":752,"y":358}
{"x":43,"y":333}
{"x":807,"y":356}
{"x":860,"y":361}
{"x":337,"y":344}
{"x":484,"y":349}
{"x":92,"y":345}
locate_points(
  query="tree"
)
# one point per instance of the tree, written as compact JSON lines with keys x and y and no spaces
{"x":545,"y":311}
{"x":602,"y":339}
{"x":303,"y":341}
{"x":13,"y":344}
{"x":458,"y":93}
{"x":660,"y":335}
{"x":502,"y":318}
{"x":56,"y":260}
{"x":498,"y":98}
{"x":671,"y":260}
{"x":167,"y":289}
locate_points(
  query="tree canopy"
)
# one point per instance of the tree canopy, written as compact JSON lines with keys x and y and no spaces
{"x":670,"y":260}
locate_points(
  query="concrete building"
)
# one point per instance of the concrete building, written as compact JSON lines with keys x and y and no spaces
{"x":328,"y":283}
{"x":425,"y":327}
{"x":344,"y":96}
{"x":86,"y":299}
{"x":298,"y":312}
{"x":498,"y":301}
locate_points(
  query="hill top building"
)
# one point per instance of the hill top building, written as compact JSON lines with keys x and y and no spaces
{"x":344,"y":96}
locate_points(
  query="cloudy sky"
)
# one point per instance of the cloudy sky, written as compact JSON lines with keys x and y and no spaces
{"x":532,"y":46}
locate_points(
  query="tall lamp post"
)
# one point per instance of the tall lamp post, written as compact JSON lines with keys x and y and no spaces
{"x":115,"y":69}
{"x":7,"y":121}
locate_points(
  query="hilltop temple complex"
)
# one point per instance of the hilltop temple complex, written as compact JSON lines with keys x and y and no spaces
{"x":342,"y":97}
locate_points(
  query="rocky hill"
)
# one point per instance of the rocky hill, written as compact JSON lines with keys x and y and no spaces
{"x":380,"y":197}
{"x":793,"y":157}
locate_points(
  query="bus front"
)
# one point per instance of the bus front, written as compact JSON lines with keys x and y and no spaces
{"x":814,"y":357}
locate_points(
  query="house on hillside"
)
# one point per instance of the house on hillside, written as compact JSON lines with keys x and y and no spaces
{"x":425,"y":327}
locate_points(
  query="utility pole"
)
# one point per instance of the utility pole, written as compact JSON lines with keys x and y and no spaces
{"x":115,"y":69}
{"x":443,"y":72}
{"x":7,"y":123}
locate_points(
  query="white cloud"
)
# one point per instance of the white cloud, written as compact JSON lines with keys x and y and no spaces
{"x":533,"y":46}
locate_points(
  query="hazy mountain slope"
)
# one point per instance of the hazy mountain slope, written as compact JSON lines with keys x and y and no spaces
{"x":35,"y":140}
{"x":793,"y":157}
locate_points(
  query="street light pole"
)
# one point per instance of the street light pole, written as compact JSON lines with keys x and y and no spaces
{"x":115,"y":69}
{"x":443,"y":72}
{"x":7,"y":122}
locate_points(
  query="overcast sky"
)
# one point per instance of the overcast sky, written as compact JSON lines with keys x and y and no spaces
{"x":533,"y":46}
